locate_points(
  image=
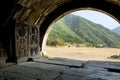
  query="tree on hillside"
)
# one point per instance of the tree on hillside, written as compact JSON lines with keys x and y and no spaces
{"x":56,"y":42}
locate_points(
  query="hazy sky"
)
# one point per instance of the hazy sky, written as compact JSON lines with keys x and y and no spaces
{"x":98,"y":17}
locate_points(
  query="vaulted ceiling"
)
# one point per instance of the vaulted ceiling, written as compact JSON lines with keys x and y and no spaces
{"x":36,"y":11}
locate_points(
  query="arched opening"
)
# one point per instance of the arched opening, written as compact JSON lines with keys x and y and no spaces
{"x":95,"y":49}
{"x":66,"y":8}
{"x":43,"y":13}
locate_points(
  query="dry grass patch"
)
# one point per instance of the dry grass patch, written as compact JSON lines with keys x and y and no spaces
{"x":78,"y":53}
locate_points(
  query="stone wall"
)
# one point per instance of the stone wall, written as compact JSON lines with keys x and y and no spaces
{"x":26,"y":41}
{"x":3,"y":56}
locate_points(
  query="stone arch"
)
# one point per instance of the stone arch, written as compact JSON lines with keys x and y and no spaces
{"x":100,"y":6}
{"x":40,"y":14}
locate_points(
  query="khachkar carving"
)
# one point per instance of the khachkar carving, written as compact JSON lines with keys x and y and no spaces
{"x":26,"y":40}
{"x":33,"y":40}
{"x":21,"y":40}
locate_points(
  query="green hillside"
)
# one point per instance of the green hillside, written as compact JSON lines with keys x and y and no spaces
{"x":61,"y":34}
{"x":77,"y":30}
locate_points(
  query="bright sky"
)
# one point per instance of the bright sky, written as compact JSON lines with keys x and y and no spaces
{"x":98,"y":17}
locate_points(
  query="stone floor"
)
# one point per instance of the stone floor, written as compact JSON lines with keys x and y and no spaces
{"x":61,"y":69}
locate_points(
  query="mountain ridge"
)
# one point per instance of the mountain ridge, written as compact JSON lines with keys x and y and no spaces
{"x":117,"y":30}
{"x":87,"y":32}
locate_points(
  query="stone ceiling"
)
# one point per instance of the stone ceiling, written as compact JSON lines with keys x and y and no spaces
{"x":35,"y":11}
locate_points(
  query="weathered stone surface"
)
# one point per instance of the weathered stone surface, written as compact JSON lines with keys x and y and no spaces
{"x":104,"y":64}
{"x":28,"y":73}
{"x":63,"y":62}
{"x":45,"y":66}
{"x":70,"y":77}
{"x":52,"y":71}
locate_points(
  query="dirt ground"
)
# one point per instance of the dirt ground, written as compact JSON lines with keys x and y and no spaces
{"x":100,"y":54}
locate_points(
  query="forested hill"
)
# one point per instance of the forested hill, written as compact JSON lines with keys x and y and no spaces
{"x":77,"y":30}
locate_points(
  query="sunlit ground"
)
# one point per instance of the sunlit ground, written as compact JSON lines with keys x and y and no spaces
{"x":100,"y":54}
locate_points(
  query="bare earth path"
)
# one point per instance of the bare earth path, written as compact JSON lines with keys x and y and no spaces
{"x":78,"y":53}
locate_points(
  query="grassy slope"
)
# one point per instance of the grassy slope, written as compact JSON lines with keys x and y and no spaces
{"x":76,"y":29}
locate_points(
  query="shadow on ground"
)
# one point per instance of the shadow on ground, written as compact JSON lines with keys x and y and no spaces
{"x":61,"y":69}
